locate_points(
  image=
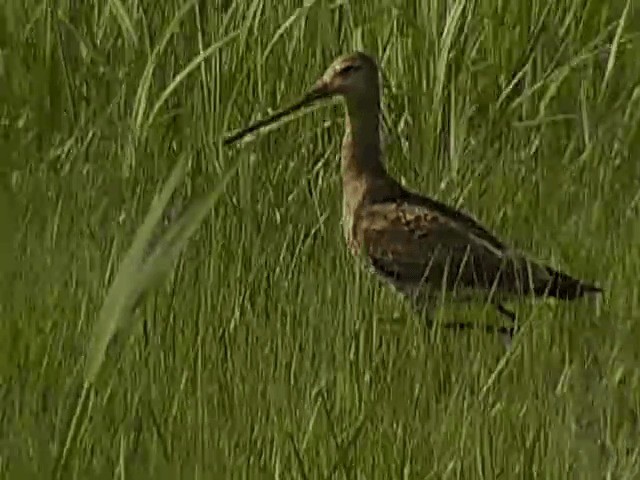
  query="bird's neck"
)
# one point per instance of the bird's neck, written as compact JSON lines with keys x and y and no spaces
{"x":361,"y":152}
{"x":363,"y":172}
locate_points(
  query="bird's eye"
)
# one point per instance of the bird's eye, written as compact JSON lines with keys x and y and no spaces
{"x":347,"y":69}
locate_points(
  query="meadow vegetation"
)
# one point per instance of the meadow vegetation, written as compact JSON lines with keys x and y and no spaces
{"x":230,"y":335}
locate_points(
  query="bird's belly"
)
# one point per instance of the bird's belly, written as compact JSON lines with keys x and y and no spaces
{"x":426,"y":293}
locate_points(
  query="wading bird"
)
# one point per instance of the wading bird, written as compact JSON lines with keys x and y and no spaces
{"x":417,"y":244}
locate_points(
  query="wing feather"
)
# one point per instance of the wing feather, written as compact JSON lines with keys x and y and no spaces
{"x":412,"y":243}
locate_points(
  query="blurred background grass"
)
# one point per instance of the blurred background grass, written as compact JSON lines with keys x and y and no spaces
{"x":266,"y":353}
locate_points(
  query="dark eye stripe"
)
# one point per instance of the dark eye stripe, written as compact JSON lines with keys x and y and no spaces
{"x":347,"y":69}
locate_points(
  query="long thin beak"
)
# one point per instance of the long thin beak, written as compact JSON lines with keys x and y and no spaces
{"x":318,"y":92}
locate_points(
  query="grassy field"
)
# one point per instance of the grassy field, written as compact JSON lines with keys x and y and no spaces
{"x":265,"y":352}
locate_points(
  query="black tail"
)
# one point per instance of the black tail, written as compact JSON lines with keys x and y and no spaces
{"x":564,"y":287}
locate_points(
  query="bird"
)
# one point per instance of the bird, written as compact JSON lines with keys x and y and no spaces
{"x":417,"y":244}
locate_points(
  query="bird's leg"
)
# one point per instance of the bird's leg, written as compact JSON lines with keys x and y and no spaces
{"x":487,"y":328}
{"x":508,"y":332}
{"x":459,"y":326}
{"x":510,"y":315}
{"x":506,"y":312}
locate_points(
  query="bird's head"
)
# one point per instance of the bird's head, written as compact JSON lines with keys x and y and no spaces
{"x":353,"y":76}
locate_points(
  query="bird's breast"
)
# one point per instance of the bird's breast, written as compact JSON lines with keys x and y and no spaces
{"x":347,"y":227}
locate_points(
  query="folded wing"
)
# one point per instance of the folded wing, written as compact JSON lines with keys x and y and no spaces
{"x":412,"y":242}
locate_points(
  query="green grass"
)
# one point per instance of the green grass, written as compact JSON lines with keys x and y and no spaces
{"x":265,"y":352}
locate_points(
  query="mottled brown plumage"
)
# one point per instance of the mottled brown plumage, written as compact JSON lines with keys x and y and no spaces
{"x":416,"y":243}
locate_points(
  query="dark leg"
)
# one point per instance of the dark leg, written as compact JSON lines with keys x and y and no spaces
{"x":507,"y":336}
{"x":487,"y":328}
{"x":507,"y":313}
{"x":506,"y":333}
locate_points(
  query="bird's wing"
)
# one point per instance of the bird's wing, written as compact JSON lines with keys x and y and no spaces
{"x":455,"y":218}
{"x":413,"y":242}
